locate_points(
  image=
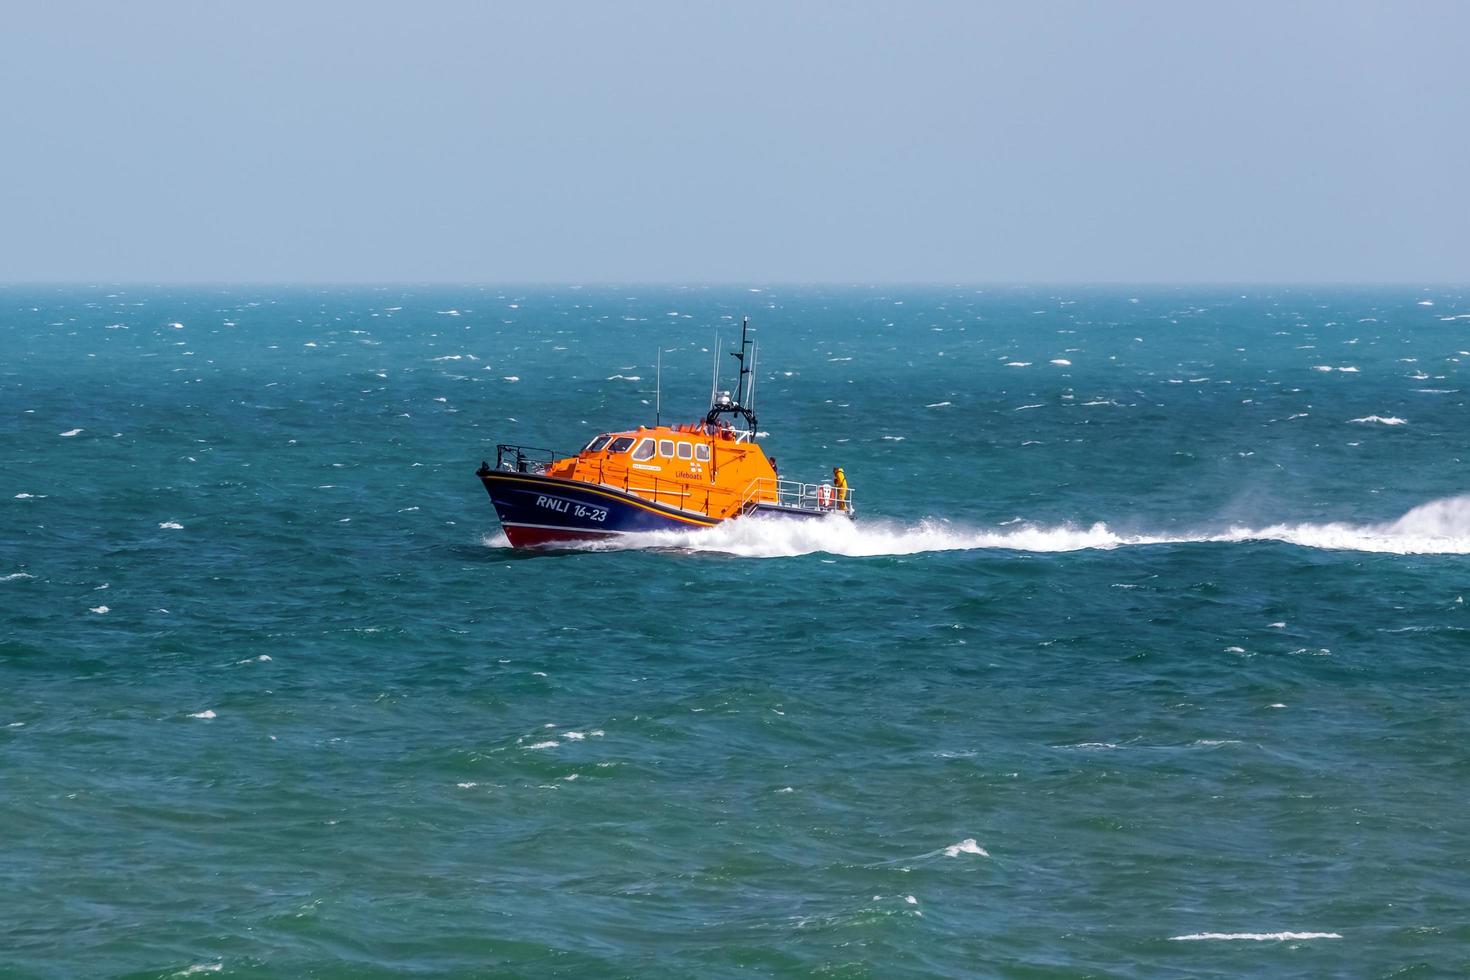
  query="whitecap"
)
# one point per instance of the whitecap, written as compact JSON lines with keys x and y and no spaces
{"x":966,"y":846}
{"x":553,"y":743}
{"x":207,"y":714}
{"x":100,"y":610}
{"x":1258,"y":937}
{"x":939,"y":405}
{"x":1381,"y":420}
{"x":1018,"y":363}
{"x":1061,"y":362}
{"x":15,"y":576}
{"x":69,"y":433}
{"x":171,"y":526}
{"x":510,"y":377}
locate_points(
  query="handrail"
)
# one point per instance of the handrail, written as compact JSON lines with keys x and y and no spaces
{"x":795,"y":495}
{"x":524,"y":459}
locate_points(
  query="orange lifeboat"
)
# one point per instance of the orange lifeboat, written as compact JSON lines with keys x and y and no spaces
{"x":658,"y":478}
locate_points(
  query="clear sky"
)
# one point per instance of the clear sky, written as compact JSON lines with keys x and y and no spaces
{"x":735,"y":142}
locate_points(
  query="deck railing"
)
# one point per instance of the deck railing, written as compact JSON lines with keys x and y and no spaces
{"x":818,"y":498}
{"x":794,"y":495}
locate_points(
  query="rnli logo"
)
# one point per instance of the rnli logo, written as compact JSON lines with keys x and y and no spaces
{"x":554,"y":503}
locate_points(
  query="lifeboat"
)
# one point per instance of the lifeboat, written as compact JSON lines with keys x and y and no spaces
{"x":659,"y":478}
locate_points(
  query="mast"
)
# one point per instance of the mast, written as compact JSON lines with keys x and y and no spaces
{"x":658,"y":388}
{"x":720,"y":401}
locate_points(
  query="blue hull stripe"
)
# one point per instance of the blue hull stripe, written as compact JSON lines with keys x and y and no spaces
{"x":552,"y":504}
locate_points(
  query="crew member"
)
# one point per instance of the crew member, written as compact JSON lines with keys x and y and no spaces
{"x":839,"y":481}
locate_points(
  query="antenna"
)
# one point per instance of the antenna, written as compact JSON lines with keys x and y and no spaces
{"x":658,"y":388}
{"x":714,"y":384}
{"x":750,"y":395}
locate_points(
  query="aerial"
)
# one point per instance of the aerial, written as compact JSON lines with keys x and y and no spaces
{"x":663,"y":490}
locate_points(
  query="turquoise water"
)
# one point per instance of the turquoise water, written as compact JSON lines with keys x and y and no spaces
{"x":1145,"y":657}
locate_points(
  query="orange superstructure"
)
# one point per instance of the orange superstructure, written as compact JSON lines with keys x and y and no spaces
{"x":711,"y":470}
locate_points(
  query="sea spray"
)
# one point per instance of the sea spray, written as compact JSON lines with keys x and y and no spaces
{"x":1439,"y":527}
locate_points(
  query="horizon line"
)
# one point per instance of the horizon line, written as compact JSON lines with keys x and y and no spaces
{"x":740,"y":284}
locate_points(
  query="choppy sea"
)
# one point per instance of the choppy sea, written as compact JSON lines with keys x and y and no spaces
{"x":1146,"y":655}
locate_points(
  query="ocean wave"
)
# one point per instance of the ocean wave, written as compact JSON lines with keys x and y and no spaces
{"x":1439,"y":527}
{"x":1258,"y":937}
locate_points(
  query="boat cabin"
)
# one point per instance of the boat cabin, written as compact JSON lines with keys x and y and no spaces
{"x":709,"y":469}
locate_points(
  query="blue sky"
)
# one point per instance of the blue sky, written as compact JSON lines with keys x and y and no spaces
{"x":735,"y":142}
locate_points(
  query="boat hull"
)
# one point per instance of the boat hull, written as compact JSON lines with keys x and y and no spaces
{"x":541,"y":511}
{"x":544,"y":512}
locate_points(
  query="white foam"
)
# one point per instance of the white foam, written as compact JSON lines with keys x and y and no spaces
{"x":1258,"y":937}
{"x":966,"y":846}
{"x":69,"y":433}
{"x":200,"y":967}
{"x":1018,"y":363}
{"x":13,"y":576}
{"x":466,"y":785}
{"x":171,"y":526}
{"x":1381,"y":420}
{"x":553,"y":743}
{"x":207,"y":714}
{"x":510,"y":377}
{"x":1440,"y":527}
{"x":1061,"y":362}
{"x":939,"y":405}
{"x":100,"y":610}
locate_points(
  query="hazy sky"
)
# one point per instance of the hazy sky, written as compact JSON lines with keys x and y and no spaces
{"x":741,"y":141}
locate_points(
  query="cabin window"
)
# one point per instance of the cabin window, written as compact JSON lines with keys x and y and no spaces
{"x":644,"y":450}
{"x":686,"y":451}
{"x":666,"y":448}
{"x":596,"y":444}
{"x":620,"y":444}
{"x":701,"y":452}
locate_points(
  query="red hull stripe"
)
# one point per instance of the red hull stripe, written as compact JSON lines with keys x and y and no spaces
{"x":537,"y":536}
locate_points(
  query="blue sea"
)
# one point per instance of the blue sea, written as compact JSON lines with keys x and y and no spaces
{"x":1145,"y":655}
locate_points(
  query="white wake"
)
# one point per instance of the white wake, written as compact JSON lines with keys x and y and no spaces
{"x":1440,"y":527}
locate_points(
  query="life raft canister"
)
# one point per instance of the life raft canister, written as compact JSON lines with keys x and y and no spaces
{"x":824,"y":495}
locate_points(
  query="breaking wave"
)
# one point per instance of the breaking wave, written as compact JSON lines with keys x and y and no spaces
{"x":1440,"y":527}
